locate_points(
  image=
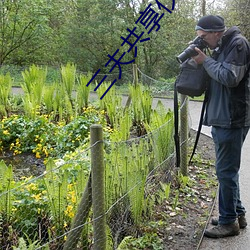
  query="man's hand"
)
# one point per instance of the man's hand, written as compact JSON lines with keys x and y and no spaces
{"x":200,"y":58}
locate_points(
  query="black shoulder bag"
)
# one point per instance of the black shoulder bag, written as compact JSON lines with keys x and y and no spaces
{"x":191,"y":81}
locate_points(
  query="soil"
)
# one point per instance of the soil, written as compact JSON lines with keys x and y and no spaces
{"x":188,"y":221}
{"x":25,"y":164}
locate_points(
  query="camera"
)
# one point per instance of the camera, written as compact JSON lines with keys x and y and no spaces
{"x":190,"y":51}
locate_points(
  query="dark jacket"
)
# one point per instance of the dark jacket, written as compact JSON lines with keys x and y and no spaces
{"x":229,"y":90}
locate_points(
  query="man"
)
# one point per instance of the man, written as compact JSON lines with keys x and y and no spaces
{"x":228,"y":112}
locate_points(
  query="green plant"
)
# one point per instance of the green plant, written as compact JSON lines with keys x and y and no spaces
{"x":68,"y":74}
{"x":48,"y":98}
{"x":176,"y":199}
{"x":113,"y":109}
{"x":141,"y":103}
{"x":126,"y":172}
{"x":29,"y":245}
{"x":33,"y":85}
{"x":5,"y":90}
{"x":147,"y":241}
{"x":30,"y":208}
{"x":56,"y":187}
{"x":82,"y":97}
{"x":44,"y":137}
{"x":161,"y":126}
{"x":123,"y":124}
{"x":6,"y":196}
{"x":164,"y":191}
{"x":184,"y":181}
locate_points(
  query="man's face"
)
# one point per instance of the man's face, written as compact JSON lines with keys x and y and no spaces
{"x":211,"y":38}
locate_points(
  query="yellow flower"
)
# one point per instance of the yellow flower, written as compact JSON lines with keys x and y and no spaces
{"x":69,"y":211}
{"x":6,"y":132}
{"x":102,"y":112}
{"x":14,"y":209}
{"x":73,"y":199}
{"x":38,"y":156}
{"x":37,"y":196}
{"x":17,"y":152}
{"x":31,"y":187}
{"x":45,"y":151}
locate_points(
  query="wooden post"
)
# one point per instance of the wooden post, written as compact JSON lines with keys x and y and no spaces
{"x":98,"y":195}
{"x":135,"y":74}
{"x":135,"y":77}
{"x":80,"y":218}
{"x":184,"y":135}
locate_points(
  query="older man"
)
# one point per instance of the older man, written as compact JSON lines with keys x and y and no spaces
{"x":228,"y":112}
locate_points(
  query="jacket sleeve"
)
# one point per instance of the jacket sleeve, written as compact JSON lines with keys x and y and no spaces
{"x":234,"y":66}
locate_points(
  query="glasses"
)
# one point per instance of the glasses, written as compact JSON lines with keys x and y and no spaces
{"x":203,"y":36}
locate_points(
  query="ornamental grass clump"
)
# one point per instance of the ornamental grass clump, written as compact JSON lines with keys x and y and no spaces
{"x":5,"y":91}
{"x":34,"y":80}
{"x":82,"y":93}
{"x":141,"y":106}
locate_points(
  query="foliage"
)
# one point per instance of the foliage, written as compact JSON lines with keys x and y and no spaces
{"x":46,"y":205}
{"x":30,"y":204}
{"x":113,"y":109}
{"x":236,"y":13}
{"x":147,"y":241}
{"x":22,"y":23}
{"x":68,"y":73}
{"x":141,"y":107}
{"x":22,"y":245}
{"x":6,"y":184}
{"x":51,"y":201}
{"x":82,"y":98}
{"x":43,"y":137}
{"x":5,"y":90}
{"x":45,"y":32}
{"x":162,"y":140}
{"x":34,"y":81}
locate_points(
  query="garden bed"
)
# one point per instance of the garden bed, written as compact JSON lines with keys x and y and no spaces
{"x":178,"y":222}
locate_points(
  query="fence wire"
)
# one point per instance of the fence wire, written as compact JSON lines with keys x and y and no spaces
{"x":44,"y":210}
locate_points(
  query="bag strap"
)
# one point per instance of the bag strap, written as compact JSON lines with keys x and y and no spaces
{"x":176,"y":127}
{"x":199,"y":127}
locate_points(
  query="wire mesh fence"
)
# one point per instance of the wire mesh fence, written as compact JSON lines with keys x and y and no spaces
{"x":46,"y":210}
{"x":55,"y":210}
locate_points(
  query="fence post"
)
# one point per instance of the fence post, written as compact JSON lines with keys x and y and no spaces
{"x":184,"y":135}
{"x":135,"y":74}
{"x":80,"y":218}
{"x":135,"y":77}
{"x":98,"y":195}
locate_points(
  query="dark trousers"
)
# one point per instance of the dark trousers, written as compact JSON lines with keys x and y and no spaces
{"x":228,"y":145}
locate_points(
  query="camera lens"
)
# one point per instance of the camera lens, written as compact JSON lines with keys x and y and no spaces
{"x":187,"y":53}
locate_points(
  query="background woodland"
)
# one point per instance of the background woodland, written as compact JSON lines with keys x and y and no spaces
{"x":84,"y":32}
